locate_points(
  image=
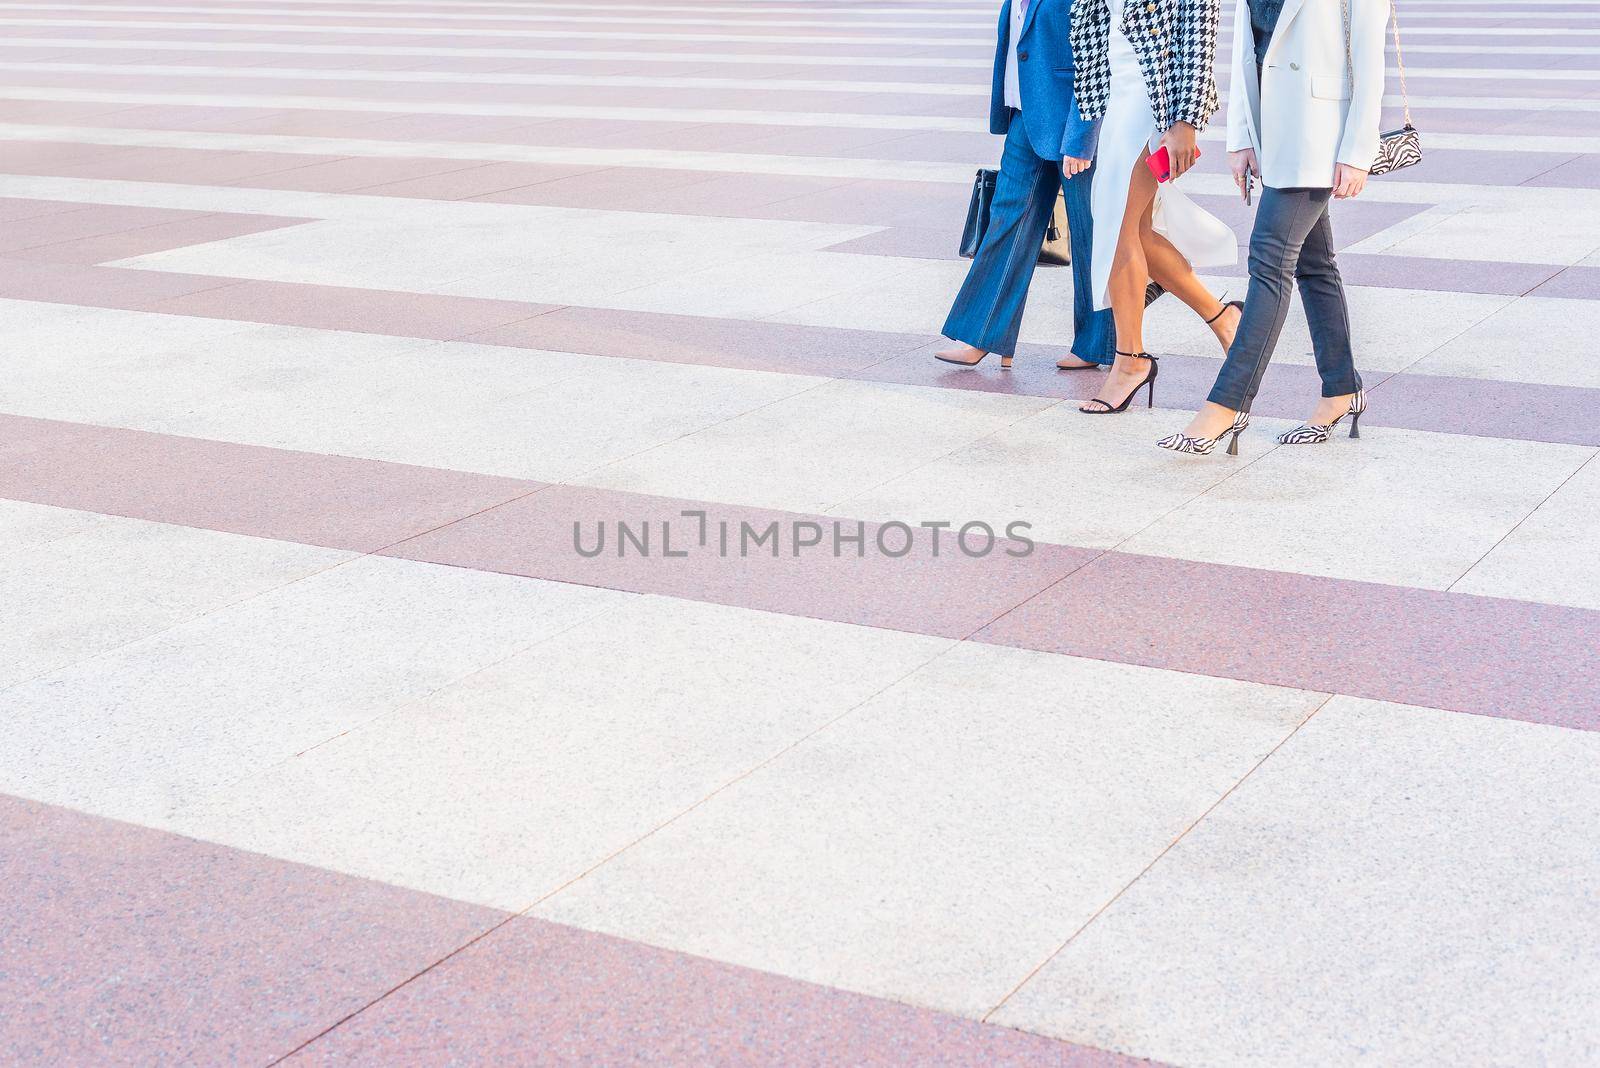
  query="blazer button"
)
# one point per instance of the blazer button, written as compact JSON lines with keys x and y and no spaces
{"x":1022,"y":57}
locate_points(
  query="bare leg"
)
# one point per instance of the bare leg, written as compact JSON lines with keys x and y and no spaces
{"x":1129,"y":273}
{"x":1331,"y":408}
{"x":1169,"y":267}
{"x":1210,"y":421}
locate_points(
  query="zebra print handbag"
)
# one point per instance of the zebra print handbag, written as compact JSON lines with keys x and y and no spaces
{"x":1397,"y":148}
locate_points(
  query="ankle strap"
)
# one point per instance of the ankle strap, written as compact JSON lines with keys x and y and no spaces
{"x":1134,"y":355}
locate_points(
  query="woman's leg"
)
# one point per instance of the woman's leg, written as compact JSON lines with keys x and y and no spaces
{"x":987,"y":313}
{"x":1130,"y":272}
{"x":1328,"y":316}
{"x":1173,"y":271}
{"x":1283,"y":221}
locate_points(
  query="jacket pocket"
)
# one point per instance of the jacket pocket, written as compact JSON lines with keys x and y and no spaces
{"x":1330,"y":86}
{"x":1069,"y":71}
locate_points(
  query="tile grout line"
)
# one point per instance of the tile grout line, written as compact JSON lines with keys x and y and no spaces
{"x":1518,"y":525}
{"x":985,"y":1018}
{"x":523,"y":913}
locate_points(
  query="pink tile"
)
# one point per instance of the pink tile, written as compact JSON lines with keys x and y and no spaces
{"x":945,"y":593}
{"x":357,"y":173}
{"x":538,"y":992}
{"x":1492,"y":657}
{"x":15,"y":208}
{"x":129,"y":946}
{"x":98,"y":287}
{"x":747,"y":344}
{"x":191,"y":166}
{"x":180,"y":233}
{"x":332,"y":501}
{"x":483,"y":181}
{"x":91,"y":220}
{"x":373,"y":311}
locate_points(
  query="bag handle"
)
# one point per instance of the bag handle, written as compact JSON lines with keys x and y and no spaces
{"x":1399,"y":55}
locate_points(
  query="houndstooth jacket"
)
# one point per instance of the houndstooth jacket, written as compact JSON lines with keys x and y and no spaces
{"x":1176,"y":41}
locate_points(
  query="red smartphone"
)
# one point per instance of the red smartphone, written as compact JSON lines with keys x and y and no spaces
{"x":1160,"y":163}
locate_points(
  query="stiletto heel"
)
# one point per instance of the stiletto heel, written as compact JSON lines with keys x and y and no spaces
{"x":1203,"y":446}
{"x":1149,"y":385}
{"x":1317,"y":433}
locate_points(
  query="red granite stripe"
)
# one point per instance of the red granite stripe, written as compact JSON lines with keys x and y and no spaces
{"x":121,"y":945}
{"x":126,"y":945}
{"x":581,"y":997}
{"x":333,"y":501}
{"x":1491,"y":656}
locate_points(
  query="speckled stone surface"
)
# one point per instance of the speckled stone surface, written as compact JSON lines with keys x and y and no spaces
{"x":1489,"y":656}
{"x":120,"y":945}
{"x":1394,"y":886}
{"x":536,"y":992}
{"x":434,"y":280}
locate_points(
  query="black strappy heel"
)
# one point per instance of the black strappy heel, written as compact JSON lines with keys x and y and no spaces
{"x":1231,"y":304}
{"x":1149,"y":385}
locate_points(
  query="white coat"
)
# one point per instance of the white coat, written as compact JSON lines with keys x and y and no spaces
{"x":1309,"y":108}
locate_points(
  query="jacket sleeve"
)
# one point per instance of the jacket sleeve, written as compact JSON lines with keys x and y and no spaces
{"x":1194,"y":60}
{"x":1243,"y":67}
{"x":1359,"y":145}
{"x":1081,"y":136}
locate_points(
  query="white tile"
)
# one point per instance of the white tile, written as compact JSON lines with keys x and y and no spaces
{"x":76,"y":584}
{"x":1533,"y":339}
{"x":1553,"y":556}
{"x":502,"y":787}
{"x":24,"y":526}
{"x":758,"y":286}
{"x":942,"y":840}
{"x":169,"y":372}
{"x":547,"y":255}
{"x":1394,"y":886}
{"x":135,"y":731}
{"x":1397,"y":506}
{"x":1391,"y":328}
{"x":817,"y":448}
{"x":1504,"y":232}
{"x":1068,"y":474}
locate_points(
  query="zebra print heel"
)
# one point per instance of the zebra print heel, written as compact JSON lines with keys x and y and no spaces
{"x":1317,"y":433}
{"x":1203,"y":446}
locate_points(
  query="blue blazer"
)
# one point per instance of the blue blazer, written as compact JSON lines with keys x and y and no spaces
{"x":1045,"y":75}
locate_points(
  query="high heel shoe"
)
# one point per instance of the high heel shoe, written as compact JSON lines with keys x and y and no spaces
{"x":1148,"y":385}
{"x":1230,"y":304}
{"x":1316,"y":433}
{"x":1203,"y":446}
{"x":1005,"y":361}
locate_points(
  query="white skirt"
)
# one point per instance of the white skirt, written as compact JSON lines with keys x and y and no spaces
{"x":1129,"y":128}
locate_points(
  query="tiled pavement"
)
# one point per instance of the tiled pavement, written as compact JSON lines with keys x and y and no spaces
{"x":325,"y":320}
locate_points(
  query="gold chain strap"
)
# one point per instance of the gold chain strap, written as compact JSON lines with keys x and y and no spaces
{"x":1399,"y":56}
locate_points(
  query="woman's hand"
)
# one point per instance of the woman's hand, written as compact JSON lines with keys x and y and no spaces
{"x":1181,"y":150}
{"x":1073,"y":165}
{"x":1244,"y":165}
{"x":1348,"y":181}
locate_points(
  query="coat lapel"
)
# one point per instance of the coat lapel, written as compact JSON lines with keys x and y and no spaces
{"x":1027,"y":19}
{"x":1291,"y":8}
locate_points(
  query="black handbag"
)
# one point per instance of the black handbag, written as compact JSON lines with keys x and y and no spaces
{"x":1056,"y":249}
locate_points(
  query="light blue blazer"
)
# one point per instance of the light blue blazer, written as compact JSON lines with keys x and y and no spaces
{"x":1045,"y":75}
